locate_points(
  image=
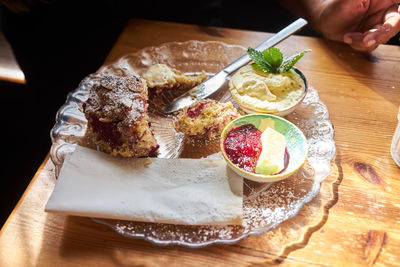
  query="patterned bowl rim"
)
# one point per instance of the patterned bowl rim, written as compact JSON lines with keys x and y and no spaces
{"x":261,"y":177}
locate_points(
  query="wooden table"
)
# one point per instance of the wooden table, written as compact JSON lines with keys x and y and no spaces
{"x":358,"y":220}
{"x":9,"y":69}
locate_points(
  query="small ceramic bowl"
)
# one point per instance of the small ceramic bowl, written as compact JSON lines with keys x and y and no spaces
{"x":282,"y":112}
{"x":296,"y":144}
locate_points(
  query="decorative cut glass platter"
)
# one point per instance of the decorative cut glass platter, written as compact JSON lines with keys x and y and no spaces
{"x":265,"y":206}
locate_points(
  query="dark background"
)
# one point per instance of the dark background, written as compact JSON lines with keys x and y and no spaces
{"x":57,"y":44}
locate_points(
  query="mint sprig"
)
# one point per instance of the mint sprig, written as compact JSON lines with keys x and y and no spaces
{"x":259,"y":60}
{"x":272,"y":60}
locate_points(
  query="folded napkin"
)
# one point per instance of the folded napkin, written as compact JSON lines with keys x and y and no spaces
{"x":177,"y":191}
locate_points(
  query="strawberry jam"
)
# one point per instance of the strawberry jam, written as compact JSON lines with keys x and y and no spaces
{"x":243,"y":146}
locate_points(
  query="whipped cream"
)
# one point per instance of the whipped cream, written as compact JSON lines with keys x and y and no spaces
{"x":263,"y":92}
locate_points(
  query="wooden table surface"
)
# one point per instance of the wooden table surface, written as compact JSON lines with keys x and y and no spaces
{"x":355,"y":222}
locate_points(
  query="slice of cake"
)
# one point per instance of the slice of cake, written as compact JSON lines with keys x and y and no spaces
{"x":205,"y":119}
{"x":117,"y":119}
{"x":162,"y":78}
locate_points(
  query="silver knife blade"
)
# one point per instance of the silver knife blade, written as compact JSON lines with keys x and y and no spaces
{"x":213,"y":84}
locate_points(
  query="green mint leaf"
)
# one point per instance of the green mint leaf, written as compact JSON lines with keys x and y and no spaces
{"x":288,"y":62}
{"x":259,"y":59}
{"x":274,"y":57}
{"x":271,"y":60}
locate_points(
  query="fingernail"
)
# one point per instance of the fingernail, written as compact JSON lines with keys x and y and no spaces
{"x":347,"y":40}
{"x":370,"y":43}
{"x":385,"y":28}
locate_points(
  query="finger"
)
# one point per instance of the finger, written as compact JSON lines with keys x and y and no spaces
{"x":377,"y":35}
{"x":382,"y":33}
{"x":327,"y":13}
{"x":355,"y":40}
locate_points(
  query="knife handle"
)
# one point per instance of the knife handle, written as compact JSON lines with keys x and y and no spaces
{"x":274,"y":40}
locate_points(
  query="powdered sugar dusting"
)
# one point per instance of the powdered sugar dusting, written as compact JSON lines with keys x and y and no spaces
{"x":117,"y":98}
{"x":266,"y":210}
{"x":262,"y":212}
{"x":281,"y":201}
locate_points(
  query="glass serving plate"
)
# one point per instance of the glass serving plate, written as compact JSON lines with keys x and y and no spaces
{"x":265,"y":206}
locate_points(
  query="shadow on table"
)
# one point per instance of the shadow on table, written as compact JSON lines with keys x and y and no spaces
{"x":326,"y":208}
{"x":84,"y":239}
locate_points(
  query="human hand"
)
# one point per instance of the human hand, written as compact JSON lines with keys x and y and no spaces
{"x":363,"y":24}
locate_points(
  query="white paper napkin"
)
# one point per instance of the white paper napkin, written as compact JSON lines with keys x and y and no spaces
{"x":177,"y":191}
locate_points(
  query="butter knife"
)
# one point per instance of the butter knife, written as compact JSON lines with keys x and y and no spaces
{"x":213,"y":84}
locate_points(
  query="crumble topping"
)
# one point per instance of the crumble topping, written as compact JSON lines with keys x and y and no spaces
{"x":117,"y":118}
{"x":117,"y":98}
{"x":205,"y":118}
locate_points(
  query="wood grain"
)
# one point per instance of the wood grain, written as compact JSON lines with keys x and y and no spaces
{"x":9,"y":68}
{"x":356,"y":222}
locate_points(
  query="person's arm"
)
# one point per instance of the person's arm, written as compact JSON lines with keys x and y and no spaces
{"x":363,"y":24}
{"x":308,"y":9}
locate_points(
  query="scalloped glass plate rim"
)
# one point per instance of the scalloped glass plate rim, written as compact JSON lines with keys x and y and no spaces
{"x":72,"y":103}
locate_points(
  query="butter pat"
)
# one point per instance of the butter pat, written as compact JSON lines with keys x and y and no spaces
{"x":272,"y":158}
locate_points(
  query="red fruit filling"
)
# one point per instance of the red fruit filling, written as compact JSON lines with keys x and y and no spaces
{"x":107,"y":131}
{"x":243,"y":146}
{"x":195,"y":111}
